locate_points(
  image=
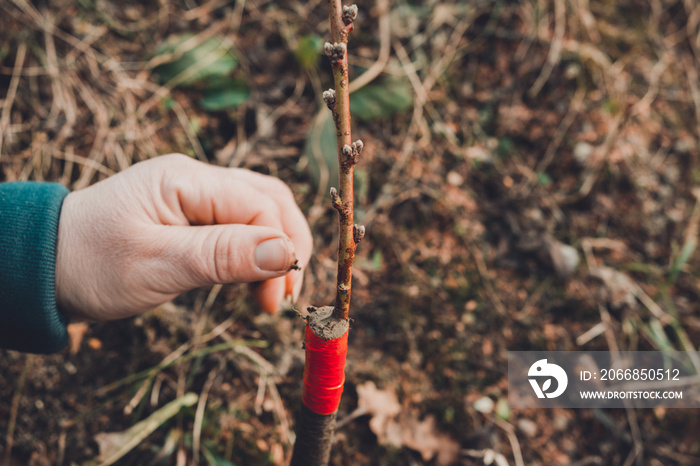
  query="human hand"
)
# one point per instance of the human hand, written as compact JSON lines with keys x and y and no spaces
{"x":171,"y":224}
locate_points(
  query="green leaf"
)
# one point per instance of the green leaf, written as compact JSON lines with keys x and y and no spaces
{"x":543,"y":179}
{"x":377,"y":260}
{"x":225,"y":95}
{"x":211,"y":59}
{"x":506,"y":146}
{"x":168,"y":102}
{"x":321,"y":151}
{"x":361,"y":185}
{"x":213,"y":459}
{"x":502,"y":409}
{"x":686,"y":253}
{"x":308,"y":50}
{"x":655,"y":330}
{"x":381,"y":100}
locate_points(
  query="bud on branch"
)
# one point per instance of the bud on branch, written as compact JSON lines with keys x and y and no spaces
{"x":349,"y":14}
{"x":358,"y":232}
{"x":335,"y":199}
{"x":329,"y":98}
{"x":336,"y":52}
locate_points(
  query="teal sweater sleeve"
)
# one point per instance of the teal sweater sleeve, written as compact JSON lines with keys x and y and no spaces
{"x":29,"y":318}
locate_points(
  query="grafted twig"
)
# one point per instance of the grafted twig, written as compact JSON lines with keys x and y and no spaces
{"x":338,"y":101}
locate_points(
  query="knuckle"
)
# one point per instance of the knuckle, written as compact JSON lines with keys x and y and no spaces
{"x":176,"y":159}
{"x":282,"y":188}
{"x":273,"y":208}
{"x":209,"y":264}
{"x":272,"y":212}
{"x":219,"y":263}
{"x":175,"y":176}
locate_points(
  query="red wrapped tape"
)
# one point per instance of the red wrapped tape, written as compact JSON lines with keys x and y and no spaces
{"x":324,"y":372}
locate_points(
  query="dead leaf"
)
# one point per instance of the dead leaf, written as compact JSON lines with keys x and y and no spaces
{"x":619,"y":286}
{"x":76,"y":332}
{"x":382,"y":405}
{"x":398,"y":428}
{"x":425,"y":438}
{"x":95,"y":343}
{"x":114,"y":445}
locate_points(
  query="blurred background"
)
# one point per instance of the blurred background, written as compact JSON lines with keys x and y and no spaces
{"x":529,"y":182}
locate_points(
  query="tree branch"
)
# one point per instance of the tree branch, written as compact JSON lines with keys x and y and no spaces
{"x":338,"y":100}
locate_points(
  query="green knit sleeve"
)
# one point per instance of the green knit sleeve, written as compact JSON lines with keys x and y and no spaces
{"x":29,"y":318}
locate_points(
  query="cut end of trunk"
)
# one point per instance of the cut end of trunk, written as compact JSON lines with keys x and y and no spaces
{"x":325,"y":325}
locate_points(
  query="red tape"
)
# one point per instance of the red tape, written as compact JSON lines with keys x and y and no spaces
{"x":324,"y":372}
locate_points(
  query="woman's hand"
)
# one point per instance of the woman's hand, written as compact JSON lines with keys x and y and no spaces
{"x":171,"y":224}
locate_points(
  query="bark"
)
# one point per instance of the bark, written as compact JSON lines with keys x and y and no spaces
{"x":314,"y":438}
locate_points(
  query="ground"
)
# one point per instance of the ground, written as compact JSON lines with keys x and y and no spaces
{"x":513,"y":151}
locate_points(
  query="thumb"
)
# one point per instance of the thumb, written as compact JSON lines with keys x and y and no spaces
{"x":205,"y":255}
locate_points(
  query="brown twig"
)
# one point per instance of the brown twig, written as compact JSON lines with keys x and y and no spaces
{"x":14,"y":408}
{"x":12,"y":92}
{"x":338,"y":101}
{"x":199,"y":413}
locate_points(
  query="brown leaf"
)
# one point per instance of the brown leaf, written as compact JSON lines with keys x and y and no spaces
{"x":95,"y":343}
{"x":382,"y":405}
{"x":76,"y":332}
{"x":425,"y":438}
{"x":398,"y":428}
{"x":619,"y":286}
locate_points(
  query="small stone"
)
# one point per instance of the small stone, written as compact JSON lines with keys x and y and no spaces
{"x":684,"y":145}
{"x":571,"y":259}
{"x":527,"y":427}
{"x":583,"y":152}
{"x":572,"y":71}
{"x":455,"y":179}
{"x":565,"y":258}
{"x":561,"y":423}
{"x":70,"y":368}
{"x":484,"y":405}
